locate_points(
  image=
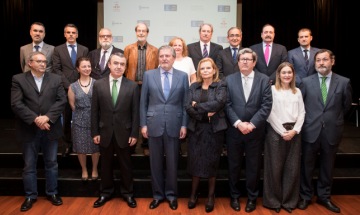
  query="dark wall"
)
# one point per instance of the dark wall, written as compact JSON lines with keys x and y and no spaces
{"x":330,"y":21}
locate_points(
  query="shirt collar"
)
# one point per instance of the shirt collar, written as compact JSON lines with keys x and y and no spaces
{"x":40,"y":44}
{"x":251,"y":75}
{"x":328,"y":75}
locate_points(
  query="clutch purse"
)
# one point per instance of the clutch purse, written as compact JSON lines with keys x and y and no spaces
{"x":289,"y":125}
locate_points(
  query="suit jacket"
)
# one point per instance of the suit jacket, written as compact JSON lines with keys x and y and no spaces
{"x":257,"y":109}
{"x":131,"y":54}
{"x":296,"y":58}
{"x":94,"y":56}
{"x":26,"y":50}
{"x":62,"y":64}
{"x":196,"y":55}
{"x":226,"y":64}
{"x":159,"y":114}
{"x":278,"y":55}
{"x":215,"y":103}
{"x":27,"y":102}
{"x":121,"y":120}
{"x":329,"y":116}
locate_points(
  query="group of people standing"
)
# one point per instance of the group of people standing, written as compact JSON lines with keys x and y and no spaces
{"x":289,"y":106}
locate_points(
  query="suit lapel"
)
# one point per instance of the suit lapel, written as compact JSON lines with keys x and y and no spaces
{"x":157,"y":80}
{"x":174,"y":82}
{"x":198,"y":49}
{"x":316,"y":85}
{"x":333,"y":84}
{"x":45,"y":82}
{"x":122,"y":92}
{"x":30,"y":79}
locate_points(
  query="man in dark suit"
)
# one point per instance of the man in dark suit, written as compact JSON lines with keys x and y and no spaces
{"x":163,"y":121}
{"x":248,"y":106}
{"x":196,"y":50}
{"x":327,"y":98}
{"x":65,"y":67}
{"x":99,"y":57}
{"x":304,"y":64}
{"x":38,"y":99}
{"x":226,"y":60}
{"x":277,"y":53}
{"x":37,"y":33}
{"x":115,"y":126}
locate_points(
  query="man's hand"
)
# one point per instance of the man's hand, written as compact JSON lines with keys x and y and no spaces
{"x":182,"y":132}
{"x":144,"y":131}
{"x":132,"y":141}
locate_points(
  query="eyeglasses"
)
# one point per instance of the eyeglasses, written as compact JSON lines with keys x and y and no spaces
{"x":40,"y":61}
{"x":324,"y":59}
{"x":244,"y":60}
{"x":105,"y":36}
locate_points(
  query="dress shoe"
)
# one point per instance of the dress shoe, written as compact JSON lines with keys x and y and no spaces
{"x":250,"y":206}
{"x":191,"y":203}
{"x":289,"y":210}
{"x":101,"y":201}
{"x":303,"y":204}
{"x":173,"y":204}
{"x":27,"y":204}
{"x":209,"y":206}
{"x":55,"y":199}
{"x":67,"y":151}
{"x":277,"y":210}
{"x":130,"y":201}
{"x":155,"y":203}
{"x":329,"y":205}
{"x":234,"y":203}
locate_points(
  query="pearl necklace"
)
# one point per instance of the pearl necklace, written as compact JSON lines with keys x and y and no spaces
{"x":85,"y":85}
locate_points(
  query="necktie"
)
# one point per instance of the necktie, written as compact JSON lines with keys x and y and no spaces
{"x":246,"y":87}
{"x":267,"y":51}
{"x":36,"y":48}
{"x":114,"y":92}
{"x":102,"y":61}
{"x":73,"y":54}
{"x":205,"y":52}
{"x":306,"y":57}
{"x":234,"y":54}
{"x":323,"y":89}
{"x":166,"y":85}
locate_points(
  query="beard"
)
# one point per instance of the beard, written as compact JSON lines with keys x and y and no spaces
{"x":105,"y":45}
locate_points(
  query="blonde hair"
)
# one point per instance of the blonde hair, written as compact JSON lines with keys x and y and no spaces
{"x":216,"y":74}
{"x":278,"y":80}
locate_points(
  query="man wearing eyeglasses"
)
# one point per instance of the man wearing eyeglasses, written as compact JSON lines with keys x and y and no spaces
{"x":141,"y":56}
{"x":38,"y":99}
{"x":248,"y":106}
{"x":99,"y":57}
{"x":226,"y":60}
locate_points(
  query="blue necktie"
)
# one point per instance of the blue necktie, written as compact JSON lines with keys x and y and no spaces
{"x":234,"y":54}
{"x":73,"y":54}
{"x":36,"y":48}
{"x":205,"y":52}
{"x":102,"y":62}
{"x":166,"y":85}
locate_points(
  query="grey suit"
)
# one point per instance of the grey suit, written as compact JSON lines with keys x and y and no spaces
{"x":164,"y":119}
{"x":94,"y":56}
{"x":296,"y":58}
{"x":278,"y":55}
{"x":322,"y":131}
{"x":115,"y":125}
{"x":226,"y":64}
{"x":256,"y":110}
{"x":25,"y":51}
{"x":196,"y":55}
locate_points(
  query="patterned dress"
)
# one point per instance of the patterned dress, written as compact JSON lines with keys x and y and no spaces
{"x":81,"y":121}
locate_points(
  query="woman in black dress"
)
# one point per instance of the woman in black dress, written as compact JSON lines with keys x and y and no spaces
{"x":207,"y":98}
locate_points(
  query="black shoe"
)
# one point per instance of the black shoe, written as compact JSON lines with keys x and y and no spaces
{"x":130,"y":201}
{"x":303,"y":204}
{"x":250,"y":206}
{"x":66,"y":152}
{"x":277,"y":210}
{"x":155,"y":203}
{"x":329,"y":205}
{"x":210,"y":205}
{"x":192,"y":204}
{"x":173,"y":204}
{"x":55,"y":199}
{"x":101,"y":201}
{"x":289,"y":210}
{"x":27,"y":204}
{"x":234,"y":203}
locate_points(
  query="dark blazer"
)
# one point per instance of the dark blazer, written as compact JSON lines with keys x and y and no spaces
{"x":216,"y":103}
{"x":63,"y":66}
{"x":329,"y":116}
{"x":27,"y":102}
{"x":121,"y":120}
{"x":296,"y":58}
{"x":278,"y":55}
{"x":94,"y":56}
{"x":257,"y":109}
{"x":226,"y":64}
{"x":156,"y":112}
{"x":195,"y":53}
{"x":26,"y":50}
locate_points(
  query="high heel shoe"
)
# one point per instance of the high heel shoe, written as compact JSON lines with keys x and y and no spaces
{"x":210,"y":204}
{"x":192,"y":204}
